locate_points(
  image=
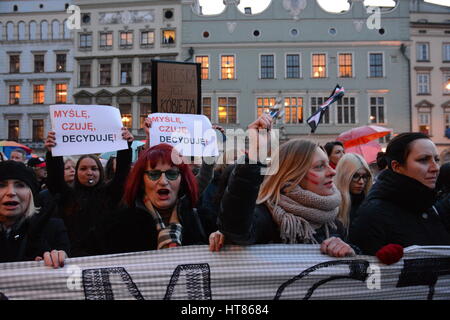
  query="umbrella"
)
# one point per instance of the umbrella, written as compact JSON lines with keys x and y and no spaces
{"x":362,"y":135}
{"x":134,"y":146}
{"x":368,"y":150}
{"x":7,"y":146}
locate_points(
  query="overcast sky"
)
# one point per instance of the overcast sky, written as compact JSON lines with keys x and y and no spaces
{"x":217,"y":6}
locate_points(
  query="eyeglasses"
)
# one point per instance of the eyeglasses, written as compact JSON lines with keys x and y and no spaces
{"x":170,"y":174}
{"x":356,"y":177}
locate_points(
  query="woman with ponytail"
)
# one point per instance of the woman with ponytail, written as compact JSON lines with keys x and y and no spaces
{"x":399,"y":207}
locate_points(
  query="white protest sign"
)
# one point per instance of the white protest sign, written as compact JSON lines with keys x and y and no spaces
{"x":190,"y":134}
{"x":84,"y":129}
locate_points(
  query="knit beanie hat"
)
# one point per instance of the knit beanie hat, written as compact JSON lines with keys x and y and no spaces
{"x":17,"y":170}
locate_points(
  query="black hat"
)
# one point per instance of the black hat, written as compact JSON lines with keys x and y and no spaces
{"x":36,"y":162}
{"x":10,"y":169}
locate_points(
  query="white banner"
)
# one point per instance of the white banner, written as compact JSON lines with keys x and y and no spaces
{"x":84,"y":129}
{"x":190,"y":134}
{"x":263,"y":272}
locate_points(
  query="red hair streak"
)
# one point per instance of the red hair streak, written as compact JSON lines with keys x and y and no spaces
{"x":154,"y":155}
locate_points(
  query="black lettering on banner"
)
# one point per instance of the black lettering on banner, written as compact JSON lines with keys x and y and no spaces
{"x":3,"y":297}
{"x":97,"y":285}
{"x":423,"y":272}
{"x":198,"y":281}
{"x":358,"y":271}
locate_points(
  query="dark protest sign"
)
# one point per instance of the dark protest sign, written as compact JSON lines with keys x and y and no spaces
{"x":176,"y":87}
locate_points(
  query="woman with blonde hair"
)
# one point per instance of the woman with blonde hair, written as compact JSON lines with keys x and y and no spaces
{"x":297,"y":201}
{"x":353,"y":179}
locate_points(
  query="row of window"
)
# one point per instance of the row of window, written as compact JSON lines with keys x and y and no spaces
{"x":424,"y":82}
{"x":37,"y":133}
{"x":105,"y":73}
{"x":294,"y":109}
{"x":36,"y":31}
{"x":423,"y":52}
{"x":293,"y":66}
{"x":125,"y":39}
{"x":38,"y":93}
{"x":39,"y":63}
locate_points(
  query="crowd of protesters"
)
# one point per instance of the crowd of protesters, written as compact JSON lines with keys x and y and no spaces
{"x":55,"y":208}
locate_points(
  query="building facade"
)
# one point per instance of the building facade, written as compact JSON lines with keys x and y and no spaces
{"x":430,"y":72}
{"x":296,"y":52}
{"x":114,"y":49}
{"x":36,"y":69}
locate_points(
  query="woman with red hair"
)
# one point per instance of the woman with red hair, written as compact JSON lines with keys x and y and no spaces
{"x":160,"y":199}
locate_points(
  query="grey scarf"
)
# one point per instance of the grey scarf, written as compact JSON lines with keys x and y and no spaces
{"x":300,"y":212}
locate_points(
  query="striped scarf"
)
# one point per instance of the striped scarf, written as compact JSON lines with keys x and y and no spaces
{"x":300,"y":212}
{"x":168,"y":236}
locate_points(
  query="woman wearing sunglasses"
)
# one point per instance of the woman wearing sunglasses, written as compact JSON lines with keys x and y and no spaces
{"x":399,"y":207}
{"x":353,"y":179}
{"x":160,"y":199}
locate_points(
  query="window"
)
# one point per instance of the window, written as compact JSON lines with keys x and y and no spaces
{"x":38,"y":94}
{"x":345,"y":65}
{"x":204,"y":68}
{"x":38,"y":130}
{"x":13,"y":130}
{"x":14,"y":94}
{"x":125,"y":73}
{"x":375,"y":65}
{"x":227,"y":109}
{"x":423,"y":51}
{"x":206,"y":107}
{"x":346,"y":110}
{"x":168,"y":37}
{"x":267,"y":66}
{"x":61,"y":93}
{"x":293,"y":66}
{"x":106,"y":40}
{"x":85,"y":75}
{"x":263,"y":104}
{"x":145,"y":109}
{"x":105,"y":74}
{"x":423,"y":83}
{"x":447,"y":119}
{"x":14,"y":63}
{"x":85,"y":41}
{"x":147,"y":38}
{"x":376,"y":109}
{"x":424,"y":122}
{"x":227,"y":65}
{"x":293,"y":110}
{"x":61,"y":62}
{"x":446,"y":52}
{"x":125,"y":111}
{"x":316,"y":102}
{"x":319,"y":65}
{"x":146,"y":73}
{"x":446,"y":84}
{"x":38,"y":63}
{"x":126,"y":39}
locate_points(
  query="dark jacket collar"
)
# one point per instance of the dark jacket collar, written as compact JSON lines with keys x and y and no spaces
{"x":403,"y":191}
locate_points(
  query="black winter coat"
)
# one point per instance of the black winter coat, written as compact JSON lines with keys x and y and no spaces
{"x":245,"y":223}
{"x":133,"y":229}
{"x":86,"y":210}
{"x":398,"y":210}
{"x":32,"y":238}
